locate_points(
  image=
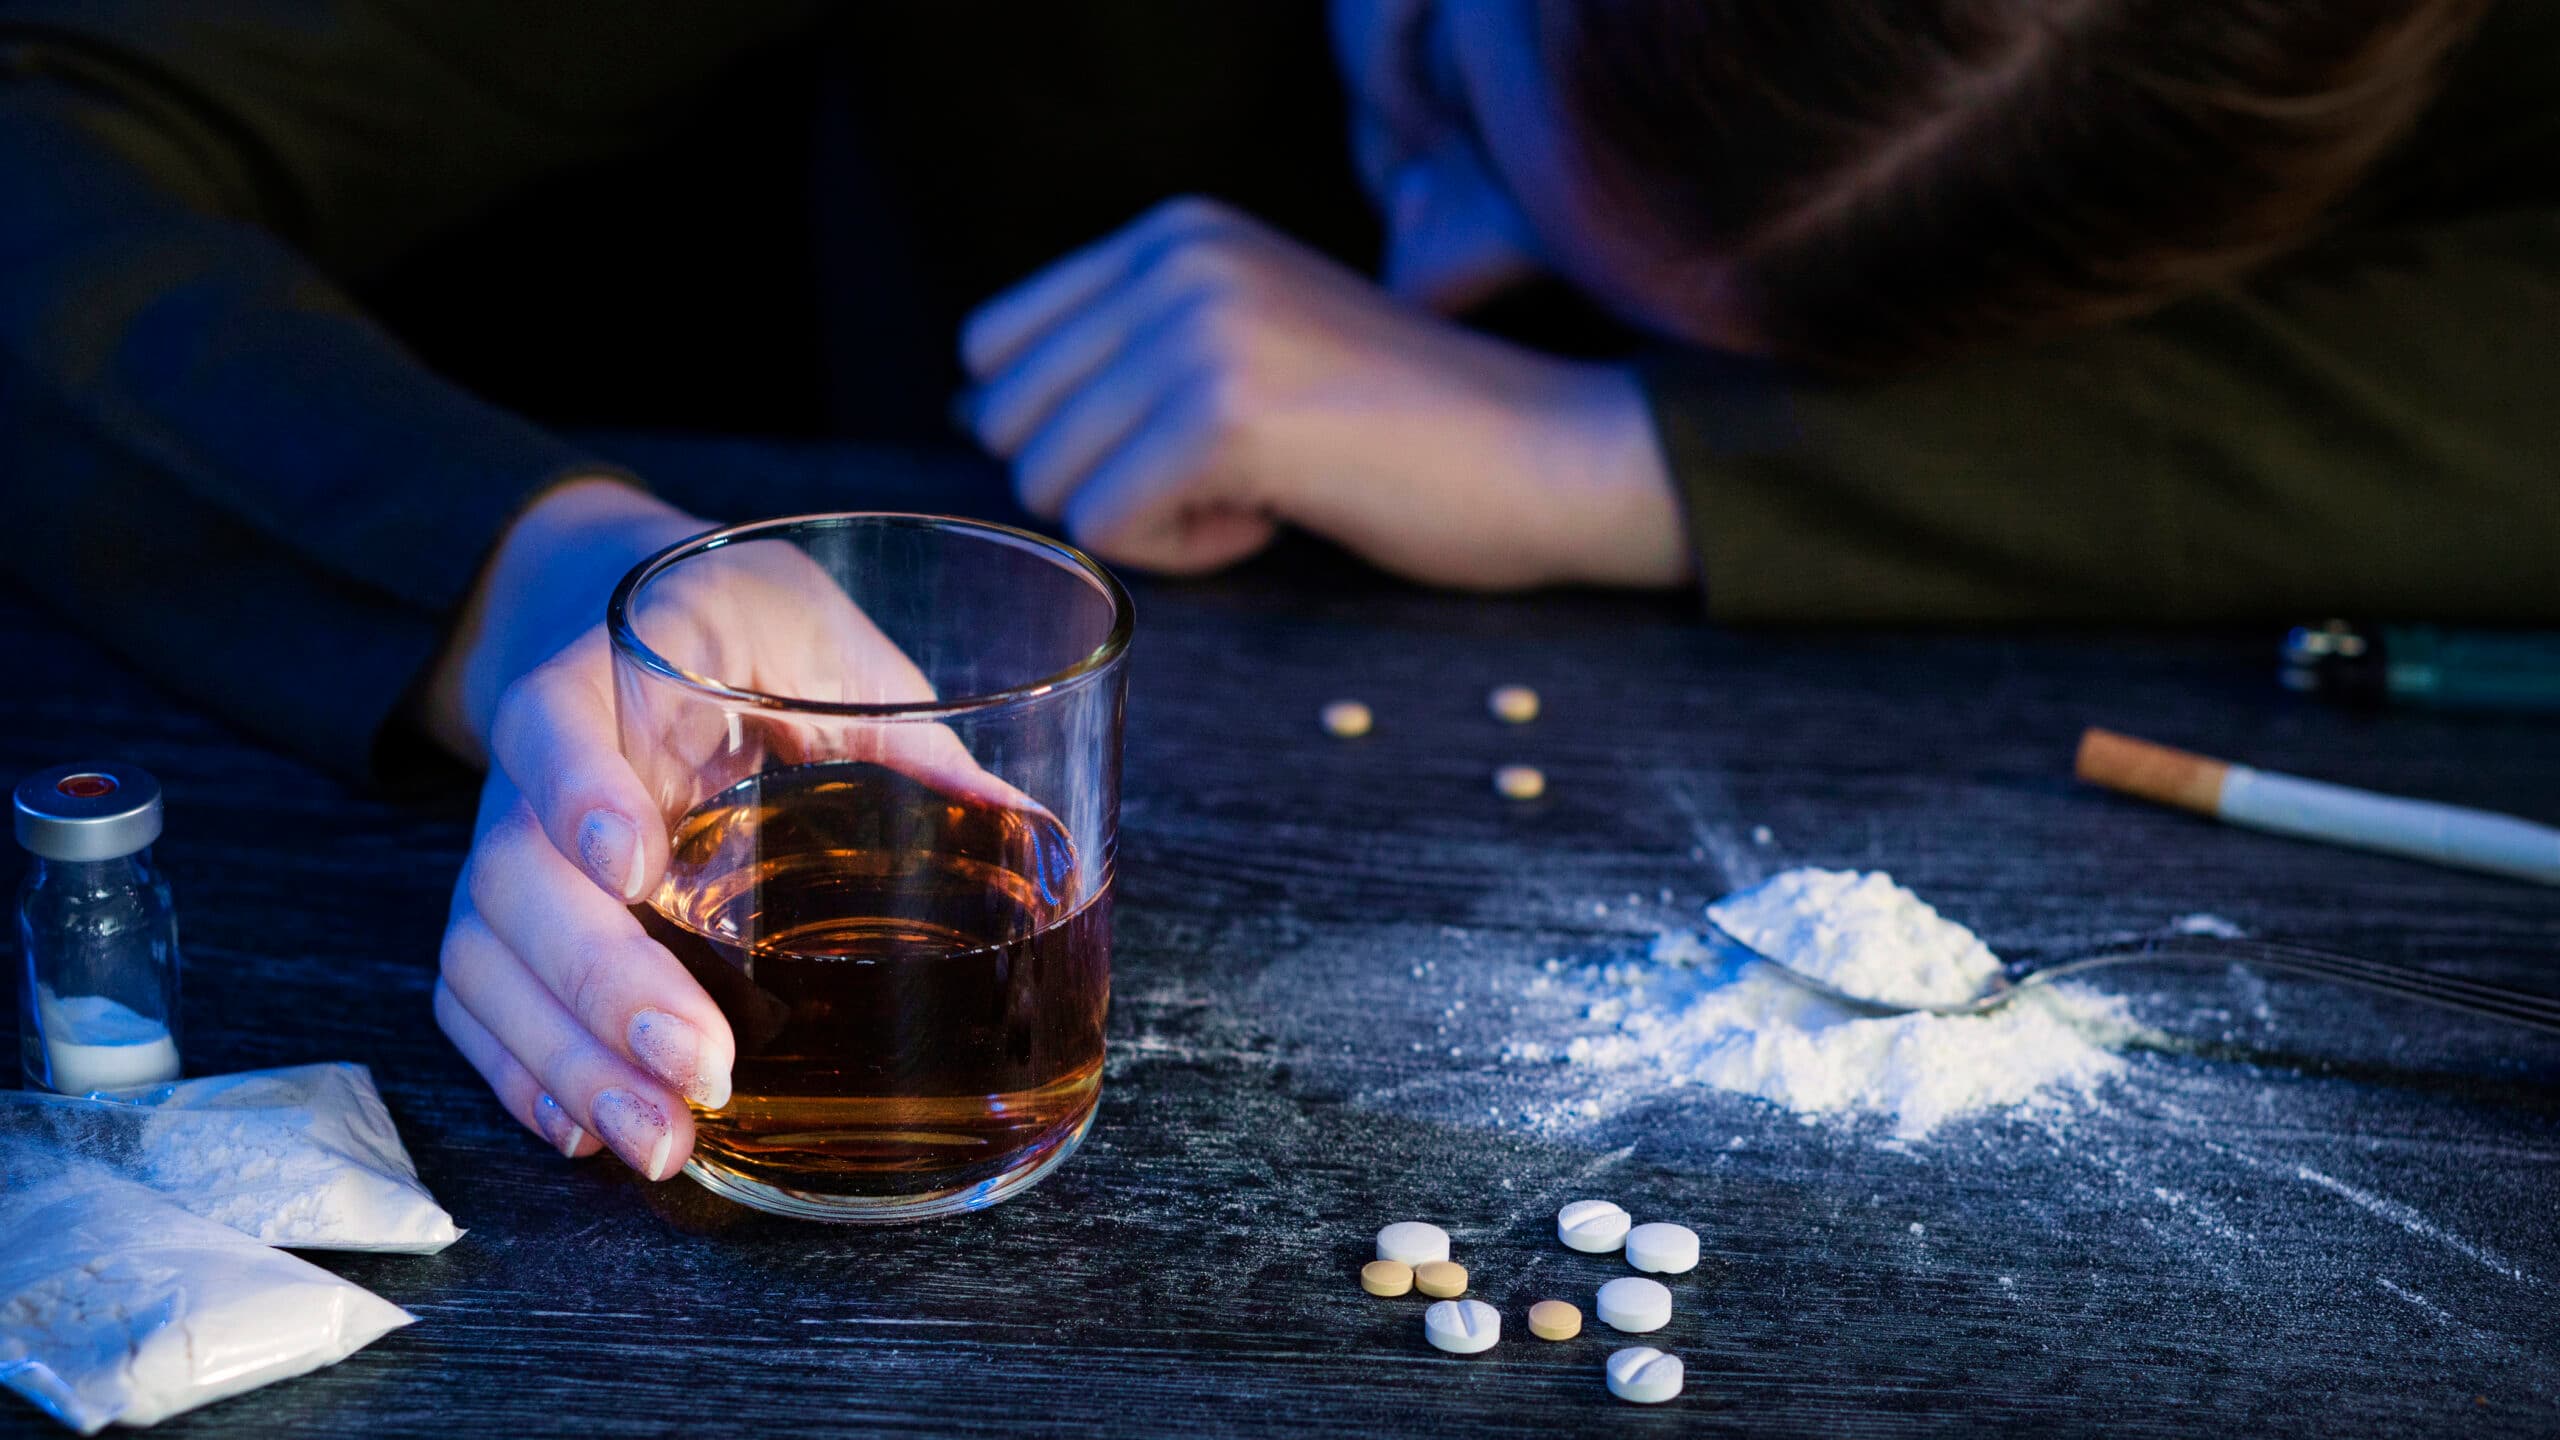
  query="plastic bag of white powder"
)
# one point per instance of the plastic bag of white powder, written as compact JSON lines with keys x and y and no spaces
{"x":303,"y":1157}
{"x":136,"y":1274}
{"x":116,"y":1305}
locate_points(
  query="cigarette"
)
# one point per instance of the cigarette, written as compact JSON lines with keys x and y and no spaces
{"x":2452,"y":835}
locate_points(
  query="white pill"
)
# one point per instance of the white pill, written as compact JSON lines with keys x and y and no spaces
{"x":1594,"y":1227}
{"x":1634,"y":1304}
{"x":1462,"y":1327}
{"x":1644,"y":1375}
{"x":1414,"y":1242}
{"x":1663,"y":1249}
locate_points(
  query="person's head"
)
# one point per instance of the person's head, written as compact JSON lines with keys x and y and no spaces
{"x":1858,"y":185}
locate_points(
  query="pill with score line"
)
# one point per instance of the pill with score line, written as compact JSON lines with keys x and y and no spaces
{"x":1462,"y":1327}
{"x":1594,"y":1227}
{"x":1643,"y":1375}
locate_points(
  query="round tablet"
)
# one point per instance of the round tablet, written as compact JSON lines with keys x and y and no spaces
{"x":1519,"y":782}
{"x":1347,"y":719}
{"x":1663,"y":1249}
{"x":1440,"y":1279}
{"x":1462,"y":1327}
{"x":1513,"y":704}
{"x":1634,"y":1304}
{"x":1644,"y":1375}
{"x":1414,"y":1242}
{"x":1554,"y":1320}
{"x":1594,"y":1227}
{"x":1386,"y":1277}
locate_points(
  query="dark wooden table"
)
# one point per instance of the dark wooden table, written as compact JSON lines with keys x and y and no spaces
{"x":2311,"y":1212}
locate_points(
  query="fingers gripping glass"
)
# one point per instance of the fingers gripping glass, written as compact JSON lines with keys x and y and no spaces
{"x":887,"y":748}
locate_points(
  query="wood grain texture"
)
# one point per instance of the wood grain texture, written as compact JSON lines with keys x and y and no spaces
{"x":2303,"y":1211}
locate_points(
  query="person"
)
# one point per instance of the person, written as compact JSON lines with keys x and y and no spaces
{"x":1959,"y":310}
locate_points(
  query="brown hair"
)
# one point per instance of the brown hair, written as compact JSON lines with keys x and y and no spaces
{"x":1870,"y":183}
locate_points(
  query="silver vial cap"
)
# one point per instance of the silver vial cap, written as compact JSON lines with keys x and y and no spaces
{"x":88,"y":812}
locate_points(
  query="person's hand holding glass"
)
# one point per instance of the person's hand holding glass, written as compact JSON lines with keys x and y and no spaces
{"x":799,"y":866}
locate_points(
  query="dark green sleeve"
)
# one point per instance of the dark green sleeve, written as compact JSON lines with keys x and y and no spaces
{"x":2372,"y":428}
{"x":209,"y":458}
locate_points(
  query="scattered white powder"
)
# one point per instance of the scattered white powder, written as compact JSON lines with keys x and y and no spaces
{"x":1679,"y":947}
{"x":2203,"y":924}
{"x":1686,"y":1016}
{"x":93,"y":1042}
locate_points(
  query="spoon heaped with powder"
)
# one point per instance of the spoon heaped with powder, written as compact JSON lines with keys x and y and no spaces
{"x":1699,"y":1014}
{"x":1867,"y":945}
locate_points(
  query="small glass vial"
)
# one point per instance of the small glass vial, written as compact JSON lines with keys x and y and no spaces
{"x":98,"y":1004}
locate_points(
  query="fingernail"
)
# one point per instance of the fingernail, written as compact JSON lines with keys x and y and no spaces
{"x":673,"y":1051}
{"x":609,"y":846}
{"x":636,"y":1129}
{"x":565,"y":1134}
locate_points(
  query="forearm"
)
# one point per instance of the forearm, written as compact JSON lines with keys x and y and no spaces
{"x":213,"y":461}
{"x":2351,"y":435}
{"x":1618,"y":513}
{"x":212,"y":458}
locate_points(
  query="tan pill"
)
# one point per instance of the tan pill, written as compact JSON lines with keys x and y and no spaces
{"x":1519,"y":782}
{"x":1513,"y":704}
{"x":1347,"y":719}
{"x":1554,"y":1320}
{"x":1386,"y":1277}
{"x":1440,"y":1279}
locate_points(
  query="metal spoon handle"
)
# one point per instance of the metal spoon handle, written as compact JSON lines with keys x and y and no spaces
{"x":2452,"y":992}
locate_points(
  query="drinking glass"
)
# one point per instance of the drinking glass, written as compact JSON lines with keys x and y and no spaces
{"x":887,"y":749}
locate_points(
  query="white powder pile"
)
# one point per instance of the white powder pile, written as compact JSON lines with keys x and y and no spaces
{"x":1862,"y":935}
{"x":1686,"y":1017}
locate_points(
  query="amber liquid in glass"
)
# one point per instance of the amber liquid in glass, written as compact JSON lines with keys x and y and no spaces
{"x":917,"y":999}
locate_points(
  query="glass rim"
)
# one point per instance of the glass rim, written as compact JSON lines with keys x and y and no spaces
{"x":628,"y":645}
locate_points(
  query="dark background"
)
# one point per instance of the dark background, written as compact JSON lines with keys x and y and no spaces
{"x":794,"y":255}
